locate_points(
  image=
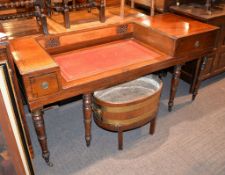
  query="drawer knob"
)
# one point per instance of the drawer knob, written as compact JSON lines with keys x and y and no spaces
{"x":197,"y":44}
{"x":44,"y":85}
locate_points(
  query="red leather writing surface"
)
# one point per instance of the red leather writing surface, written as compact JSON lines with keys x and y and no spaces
{"x":76,"y":65}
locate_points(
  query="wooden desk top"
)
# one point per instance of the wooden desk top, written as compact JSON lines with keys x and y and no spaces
{"x":83,"y":63}
{"x":95,"y":69}
{"x":30,"y":57}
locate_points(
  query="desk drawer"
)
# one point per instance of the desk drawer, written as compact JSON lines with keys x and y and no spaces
{"x":187,"y":45}
{"x":44,"y":85}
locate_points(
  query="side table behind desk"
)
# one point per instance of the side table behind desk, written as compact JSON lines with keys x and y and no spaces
{"x":21,"y":28}
{"x":215,"y":61}
{"x":47,"y":80}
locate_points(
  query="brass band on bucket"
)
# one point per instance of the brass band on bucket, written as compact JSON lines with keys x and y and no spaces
{"x":124,"y":122}
{"x":112,"y":109}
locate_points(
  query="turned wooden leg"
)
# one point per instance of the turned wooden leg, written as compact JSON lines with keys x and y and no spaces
{"x":198,"y":81}
{"x":39,"y":126}
{"x":122,"y":4}
{"x":74,"y":4}
{"x":174,"y":84}
{"x":152,"y":126}
{"x":195,"y":76}
{"x":120,"y":139}
{"x":41,"y":16}
{"x":132,"y":4}
{"x":48,"y":4}
{"x":102,"y":11}
{"x":66,"y":15}
{"x":87,"y":117}
{"x":89,"y":2}
{"x":152,"y":10}
{"x":44,"y":24}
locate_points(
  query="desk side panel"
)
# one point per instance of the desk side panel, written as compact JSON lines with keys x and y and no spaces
{"x":155,"y":39}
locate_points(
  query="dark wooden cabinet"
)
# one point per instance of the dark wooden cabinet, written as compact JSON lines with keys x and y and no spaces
{"x":215,"y":60}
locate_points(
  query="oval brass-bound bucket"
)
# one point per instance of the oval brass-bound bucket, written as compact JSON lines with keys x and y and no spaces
{"x":129,"y":105}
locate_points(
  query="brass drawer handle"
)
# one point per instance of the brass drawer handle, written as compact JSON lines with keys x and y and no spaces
{"x":45,"y":85}
{"x":197,"y":44}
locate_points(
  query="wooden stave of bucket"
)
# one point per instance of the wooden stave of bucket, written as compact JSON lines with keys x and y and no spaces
{"x":103,"y":117}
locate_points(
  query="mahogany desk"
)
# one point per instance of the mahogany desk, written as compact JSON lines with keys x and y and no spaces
{"x":57,"y":67}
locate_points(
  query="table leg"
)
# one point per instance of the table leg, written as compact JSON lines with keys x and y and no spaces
{"x":195,"y":76}
{"x":48,"y":7}
{"x":122,"y":6}
{"x":44,"y":24}
{"x":40,"y":16}
{"x":87,"y":117}
{"x":198,"y":81}
{"x":39,"y":125}
{"x":152,"y":126}
{"x":120,"y":139}
{"x":102,"y":11}
{"x":89,"y":2}
{"x":132,"y":4}
{"x":174,"y":84}
{"x":74,"y":4}
{"x":66,"y":14}
{"x":152,"y":10}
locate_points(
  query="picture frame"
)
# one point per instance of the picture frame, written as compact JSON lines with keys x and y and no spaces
{"x":14,"y":155}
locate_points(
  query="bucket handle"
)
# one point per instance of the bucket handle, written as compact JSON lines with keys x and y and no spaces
{"x":98,"y":112}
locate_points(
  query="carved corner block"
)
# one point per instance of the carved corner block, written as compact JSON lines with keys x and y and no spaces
{"x":122,"y":29}
{"x":52,"y":41}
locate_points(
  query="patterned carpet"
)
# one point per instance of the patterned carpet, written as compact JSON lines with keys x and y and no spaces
{"x":190,"y":140}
